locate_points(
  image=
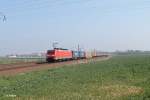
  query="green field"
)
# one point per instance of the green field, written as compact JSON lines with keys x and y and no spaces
{"x":5,"y":60}
{"x":120,"y":78}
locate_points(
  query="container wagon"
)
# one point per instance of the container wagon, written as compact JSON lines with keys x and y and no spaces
{"x":94,"y":53}
{"x":78,"y":54}
{"x":102,"y":54}
{"x":88,"y":54}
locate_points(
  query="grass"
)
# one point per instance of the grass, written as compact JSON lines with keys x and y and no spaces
{"x":120,"y":78}
{"x":4,"y":60}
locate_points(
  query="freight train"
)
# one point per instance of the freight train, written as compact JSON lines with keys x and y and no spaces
{"x":59,"y":54}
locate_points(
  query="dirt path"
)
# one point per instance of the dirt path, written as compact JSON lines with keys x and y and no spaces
{"x":27,"y":67}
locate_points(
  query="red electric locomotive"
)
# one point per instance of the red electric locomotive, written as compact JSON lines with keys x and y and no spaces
{"x":58,"y":54}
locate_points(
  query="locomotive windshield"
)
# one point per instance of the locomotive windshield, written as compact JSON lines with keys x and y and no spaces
{"x":50,"y":52}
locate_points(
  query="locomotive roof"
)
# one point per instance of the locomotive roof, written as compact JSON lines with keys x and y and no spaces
{"x":57,"y":49}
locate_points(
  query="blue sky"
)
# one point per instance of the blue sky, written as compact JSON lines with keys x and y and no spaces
{"x":107,"y":25}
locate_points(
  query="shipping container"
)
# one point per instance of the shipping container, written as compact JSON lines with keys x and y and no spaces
{"x":88,"y":54}
{"x":78,"y":54}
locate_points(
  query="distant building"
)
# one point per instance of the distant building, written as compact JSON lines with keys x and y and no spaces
{"x":12,"y":56}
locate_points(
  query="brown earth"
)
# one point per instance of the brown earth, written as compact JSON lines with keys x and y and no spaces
{"x":13,"y":69}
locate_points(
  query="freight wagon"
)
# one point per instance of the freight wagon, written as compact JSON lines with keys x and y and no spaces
{"x":88,"y":54}
{"x":78,"y":54}
{"x":102,"y":54}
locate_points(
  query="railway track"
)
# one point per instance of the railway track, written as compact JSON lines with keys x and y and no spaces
{"x":24,"y":67}
{"x":30,"y":65}
{"x":16,"y":66}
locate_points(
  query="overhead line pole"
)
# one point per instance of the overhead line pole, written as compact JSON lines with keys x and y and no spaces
{"x":79,"y":50}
